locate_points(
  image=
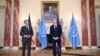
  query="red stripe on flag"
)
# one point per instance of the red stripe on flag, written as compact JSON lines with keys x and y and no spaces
{"x":32,"y":41}
{"x":62,"y":40}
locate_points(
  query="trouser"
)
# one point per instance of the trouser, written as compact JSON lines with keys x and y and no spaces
{"x":58,"y":42}
{"x":26,"y":42}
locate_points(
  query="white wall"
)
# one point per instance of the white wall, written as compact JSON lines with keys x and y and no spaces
{"x":97,"y":2}
{"x":2,"y":22}
{"x":98,"y":27}
{"x":97,"y":12}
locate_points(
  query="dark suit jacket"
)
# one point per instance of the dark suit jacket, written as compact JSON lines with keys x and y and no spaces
{"x":56,"y":32}
{"x":25,"y":31}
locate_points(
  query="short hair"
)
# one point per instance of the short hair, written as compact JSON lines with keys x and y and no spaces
{"x":25,"y":21}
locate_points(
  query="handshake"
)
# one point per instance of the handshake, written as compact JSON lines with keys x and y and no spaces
{"x":27,"y":36}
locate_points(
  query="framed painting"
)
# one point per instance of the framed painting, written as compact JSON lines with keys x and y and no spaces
{"x":50,"y":10}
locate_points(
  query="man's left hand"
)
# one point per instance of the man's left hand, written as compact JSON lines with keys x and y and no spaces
{"x":57,"y":38}
{"x":29,"y":36}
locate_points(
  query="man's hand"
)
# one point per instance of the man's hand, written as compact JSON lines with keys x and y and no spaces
{"x":29,"y":36}
{"x":55,"y":38}
{"x":25,"y":35}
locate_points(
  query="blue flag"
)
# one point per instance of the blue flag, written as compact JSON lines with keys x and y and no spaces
{"x":42,"y":33}
{"x":73,"y":34}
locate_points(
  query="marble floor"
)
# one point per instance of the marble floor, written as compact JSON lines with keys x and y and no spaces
{"x":48,"y":52}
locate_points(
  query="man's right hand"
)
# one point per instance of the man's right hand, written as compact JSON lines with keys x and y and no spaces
{"x":25,"y":35}
{"x":55,"y":38}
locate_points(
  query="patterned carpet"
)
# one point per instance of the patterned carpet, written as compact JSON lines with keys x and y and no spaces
{"x":48,"y":52}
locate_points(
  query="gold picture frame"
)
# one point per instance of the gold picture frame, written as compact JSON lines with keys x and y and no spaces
{"x":50,"y":9}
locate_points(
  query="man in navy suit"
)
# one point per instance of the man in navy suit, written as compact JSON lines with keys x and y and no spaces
{"x":26,"y":32}
{"x":55,"y":32}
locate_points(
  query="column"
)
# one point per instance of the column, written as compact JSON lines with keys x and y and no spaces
{"x":92,"y":23}
{"x":7,"y":23}
{"x":15,"y":23}
{"x":84,"y":23}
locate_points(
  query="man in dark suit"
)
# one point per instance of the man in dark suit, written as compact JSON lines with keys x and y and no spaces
{"x":26,"y":32}
{"x":56,"y":31}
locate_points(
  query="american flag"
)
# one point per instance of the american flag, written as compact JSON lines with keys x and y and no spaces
{"x":62,"y":40}
{"x":30,"y":25}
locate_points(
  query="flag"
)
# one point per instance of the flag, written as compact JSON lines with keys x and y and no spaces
{"x":63,"y":40}
{"x":29,"y":20}
{"x":42,"y":33}
{"x":30,"y":25}
{"x":73,"y":34}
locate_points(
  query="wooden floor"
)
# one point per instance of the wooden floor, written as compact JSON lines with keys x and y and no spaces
{"x":48,"y":52}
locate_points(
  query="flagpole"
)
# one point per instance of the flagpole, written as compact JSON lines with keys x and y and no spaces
{"x":74,"y":35}
{"x":74,"y":53}
{"x":73,"y":39}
